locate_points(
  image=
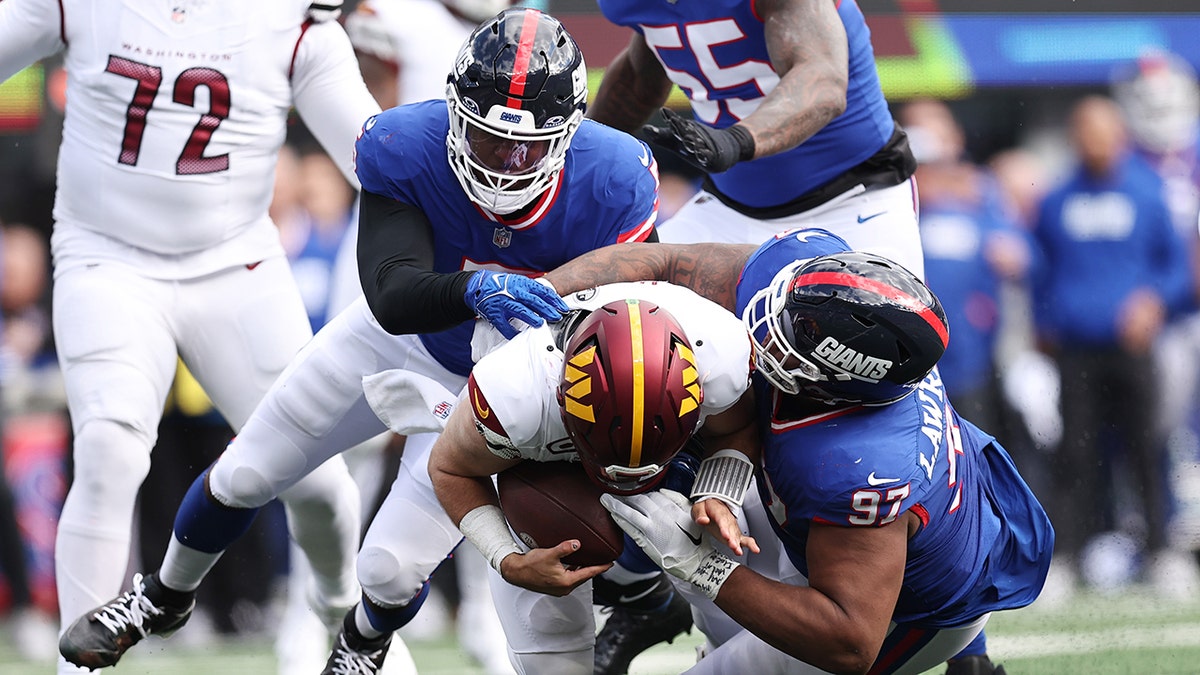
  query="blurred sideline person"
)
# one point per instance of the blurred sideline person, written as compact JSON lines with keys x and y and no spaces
{"x":163,"y":247}
{"x":23,"y":278}
{"x":910,"y":524}
{"x":538,"y":185}
{"x":1114,"y":272}
{"x":405,"y":48}
{"x":973,"y":250}
{"x":1160,"y":97}
{"x":787,"y":119}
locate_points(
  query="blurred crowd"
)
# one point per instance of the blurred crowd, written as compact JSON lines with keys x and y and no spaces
{"x":1069,"y":267}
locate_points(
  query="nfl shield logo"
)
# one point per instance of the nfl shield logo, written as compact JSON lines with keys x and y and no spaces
{"x":502,"y":237}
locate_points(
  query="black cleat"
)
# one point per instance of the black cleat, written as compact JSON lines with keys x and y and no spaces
{"x":978,"y":664}
{"x":99,"y":638}
{"x":629,"y":632}
{"x":354,"y":654}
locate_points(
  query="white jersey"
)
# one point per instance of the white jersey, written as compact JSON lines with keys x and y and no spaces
{"x":420,"y":37}
{"x":175,"y":115}
{"x":519,"y":379}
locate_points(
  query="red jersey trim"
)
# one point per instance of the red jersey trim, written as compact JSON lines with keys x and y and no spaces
{"x":541,"y":208}
{"x":484,"y":414}
{"x":62,"y":22}
{"x":296,"y":50}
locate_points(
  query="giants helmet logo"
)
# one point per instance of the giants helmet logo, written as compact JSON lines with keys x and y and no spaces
{"x":838,"y":356}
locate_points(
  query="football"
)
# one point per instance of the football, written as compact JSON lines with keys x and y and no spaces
{"x":547,"y":503}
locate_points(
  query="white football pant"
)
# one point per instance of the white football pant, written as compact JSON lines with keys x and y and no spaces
{"x":881,"y":221}
{"x":118,"y":335}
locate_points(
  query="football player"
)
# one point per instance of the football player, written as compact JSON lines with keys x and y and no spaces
{"x":404,"y":49}
{"x":163,"y":246}
{"x":463,"y":201}
{"x":788,"y":120}
{"x":620,"y":387}
{"x":910,"y":524}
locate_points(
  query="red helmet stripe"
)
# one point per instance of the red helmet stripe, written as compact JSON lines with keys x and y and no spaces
{"x":890,"y":292}
{"x":639,"y":381}
{"x":529,"y":30}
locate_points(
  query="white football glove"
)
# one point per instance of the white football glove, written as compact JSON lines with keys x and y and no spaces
{"x":660,"y":522}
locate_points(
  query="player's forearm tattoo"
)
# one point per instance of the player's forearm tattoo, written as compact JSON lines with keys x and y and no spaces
{"x":711,"y":270}
{"x":620,"y":262}
{"x":808,"y":47}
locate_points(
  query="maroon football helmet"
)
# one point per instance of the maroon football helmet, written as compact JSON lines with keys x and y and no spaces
{"x":630,"y":394}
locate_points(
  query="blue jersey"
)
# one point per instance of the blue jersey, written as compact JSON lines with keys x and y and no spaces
{"x":984,"y":543}
{"x":1102,"y":239}
{"x":717,"y":53}
{"x":606,"y":193}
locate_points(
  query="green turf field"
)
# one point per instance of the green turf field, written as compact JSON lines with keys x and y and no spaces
{"x":1132,"y":634}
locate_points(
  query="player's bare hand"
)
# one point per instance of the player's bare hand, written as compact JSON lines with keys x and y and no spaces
{"x":718,"y":519}
{"x":542,"y":570}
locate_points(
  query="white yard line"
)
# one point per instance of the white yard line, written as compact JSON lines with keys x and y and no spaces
{"x":1090,"y":642}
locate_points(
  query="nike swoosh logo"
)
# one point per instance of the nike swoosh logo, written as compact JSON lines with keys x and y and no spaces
{"x":691,"y":537}
{"x":861,"y":219}
{"x":638,"y":596}
{"x":871,"y":479}
{"x":645,"y":158}
{"x":481,"y":411}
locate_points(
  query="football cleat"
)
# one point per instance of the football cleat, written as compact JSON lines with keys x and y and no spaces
{"x":100,"y":637}
{"x":629,"y":632}
{"x":354,"y":654}
{"x":976,"y":664}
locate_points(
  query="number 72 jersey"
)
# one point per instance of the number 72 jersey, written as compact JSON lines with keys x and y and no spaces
{"x":176,"y":110}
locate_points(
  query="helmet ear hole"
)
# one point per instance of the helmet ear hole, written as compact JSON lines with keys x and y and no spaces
{"x":864,"y":321}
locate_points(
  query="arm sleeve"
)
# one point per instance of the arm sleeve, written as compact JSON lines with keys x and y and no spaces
{"x":395,"y":265}
{"x":329,"y":92}
{"x":30,"y":30}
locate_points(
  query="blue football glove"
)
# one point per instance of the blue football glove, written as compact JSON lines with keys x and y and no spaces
{"x":501,"y":297}
{"x":708,"y":149}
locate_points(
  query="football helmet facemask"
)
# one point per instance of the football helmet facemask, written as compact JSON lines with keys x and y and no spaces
{"x":516,"y":96}
{"x":847,"y":328}
{"x":630,"y":394}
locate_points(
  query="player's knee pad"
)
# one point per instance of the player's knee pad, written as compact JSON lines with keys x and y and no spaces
{"x":111,"y":461}
{"x":563,"y":618}
{"x":238,"y":485}
{"x":385,"y":579}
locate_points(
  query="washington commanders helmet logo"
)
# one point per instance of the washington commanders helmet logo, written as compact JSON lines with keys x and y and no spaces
{"x":691,"y":381}
{"x":580,"y":386}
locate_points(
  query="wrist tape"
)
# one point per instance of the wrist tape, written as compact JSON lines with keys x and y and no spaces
{"x":485,"y":527}
{"x":725,"y":475}
{"x":714,"y":570}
